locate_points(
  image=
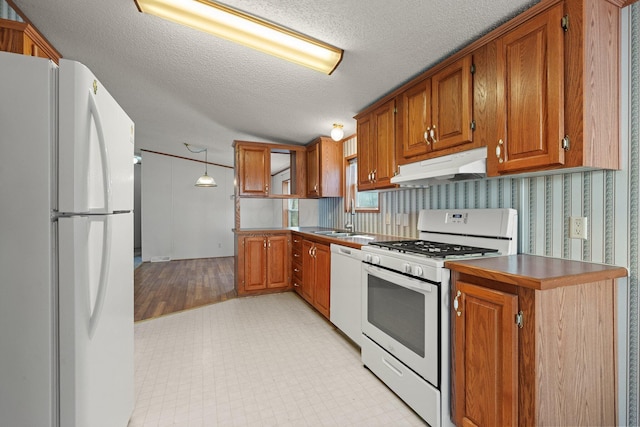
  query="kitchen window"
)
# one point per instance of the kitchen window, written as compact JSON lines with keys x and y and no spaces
{"x":365,"y":201}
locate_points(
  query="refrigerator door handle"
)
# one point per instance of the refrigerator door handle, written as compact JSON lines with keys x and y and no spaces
{"x":106,"y":170}
{"x":105,"y":266}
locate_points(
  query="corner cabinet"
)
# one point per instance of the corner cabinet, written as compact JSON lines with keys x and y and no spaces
{"x":22,"y":38}
{"x":376,"y":147}
{"x":263,"y":263}
{"x":558,"y":90}
{"x":533,"y":342}
{"x":324,"y":168}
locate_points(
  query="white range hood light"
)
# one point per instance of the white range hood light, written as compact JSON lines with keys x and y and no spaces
{"x":471,"y":164}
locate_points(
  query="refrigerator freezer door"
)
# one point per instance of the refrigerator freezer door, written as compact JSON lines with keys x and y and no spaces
{"x":96,"y":320}
{"x":96,"y":139}
{"x":27,"y":292}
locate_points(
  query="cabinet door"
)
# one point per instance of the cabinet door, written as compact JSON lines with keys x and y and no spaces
{"x":308,"y":271}
{"x":365,"y":153}
{"x":277,"y":262}
{"x":322,"y":256}
{"x":530,"y":95}
{"x":313,"y":170}
{"x":416,"y":116}
{"x":451,"y":103}
{"x":485,"y":356}
{"x":384,"y":161}
{"x":255,"y":263}
{"x":253,"y":169}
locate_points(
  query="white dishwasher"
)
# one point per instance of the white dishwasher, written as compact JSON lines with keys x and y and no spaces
{"x":346,"y":299}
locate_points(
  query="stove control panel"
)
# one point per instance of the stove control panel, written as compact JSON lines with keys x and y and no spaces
{"x":456,"y":218}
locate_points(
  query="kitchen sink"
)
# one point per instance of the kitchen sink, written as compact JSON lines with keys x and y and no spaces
{"x":342,"y":234}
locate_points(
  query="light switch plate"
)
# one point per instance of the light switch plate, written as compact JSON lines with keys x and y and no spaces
{"x":578,"y":227}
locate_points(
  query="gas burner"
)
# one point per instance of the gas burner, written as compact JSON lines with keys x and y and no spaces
{"x":434,"y":249}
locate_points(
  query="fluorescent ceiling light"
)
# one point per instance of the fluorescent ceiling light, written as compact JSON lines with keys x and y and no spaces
{"x":231,"y":24}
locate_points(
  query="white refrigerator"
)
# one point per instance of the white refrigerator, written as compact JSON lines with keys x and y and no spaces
{"x":66,"y":248}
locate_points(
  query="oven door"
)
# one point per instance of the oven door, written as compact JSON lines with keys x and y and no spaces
{"x":401,"y":314}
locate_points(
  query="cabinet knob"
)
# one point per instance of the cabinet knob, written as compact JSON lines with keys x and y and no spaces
{"x":456,"y":304}
{"x":426,"y":136}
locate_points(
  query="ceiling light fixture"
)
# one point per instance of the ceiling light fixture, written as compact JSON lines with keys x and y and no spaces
{"x":239,"y":27}
{"x":205,"y":180}
{"x":337,"y":133}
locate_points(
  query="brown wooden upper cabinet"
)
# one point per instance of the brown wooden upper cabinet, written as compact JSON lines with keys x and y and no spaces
{"x":558,"y":90}
{"x":530,"y":79}
{"x":259,"y":169}
{"x":436,"y":113}
{"x":376,"y":147}
{"x":22,"y":38}
{"x":544,"y":94}
{"x":324,"y":168}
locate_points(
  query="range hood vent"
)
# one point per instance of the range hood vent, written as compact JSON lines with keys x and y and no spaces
{"x":470,"y":164}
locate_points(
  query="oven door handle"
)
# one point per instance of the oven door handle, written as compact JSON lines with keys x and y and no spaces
{"x":398,"y":279}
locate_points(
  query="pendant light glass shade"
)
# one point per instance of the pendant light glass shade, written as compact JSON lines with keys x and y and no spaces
{"x":206,"y":180}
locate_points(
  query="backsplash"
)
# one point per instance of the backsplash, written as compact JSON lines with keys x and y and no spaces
{"x":544,"y":205}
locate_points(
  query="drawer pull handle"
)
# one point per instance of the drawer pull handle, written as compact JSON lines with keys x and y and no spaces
{"x":397,"y":371}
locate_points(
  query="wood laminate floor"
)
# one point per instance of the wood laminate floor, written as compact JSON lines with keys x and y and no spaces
{"x":167,"y":287}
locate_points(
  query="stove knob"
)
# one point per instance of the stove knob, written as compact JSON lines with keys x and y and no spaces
{"x":375,"y":259}
{"x":407,"y":268}
{"x":418,"y":271}
{"x":367,"y":258}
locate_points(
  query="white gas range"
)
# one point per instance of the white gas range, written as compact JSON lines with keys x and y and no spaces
{"x":406,"y":300}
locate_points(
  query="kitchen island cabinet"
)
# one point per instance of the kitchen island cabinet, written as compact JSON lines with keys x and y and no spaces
{"x":263,"y":263}
{"x":533,"y":341}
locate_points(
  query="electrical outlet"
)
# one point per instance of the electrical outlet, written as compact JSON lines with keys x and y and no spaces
{"x":578,"y":227}
{"x":387,"y":218}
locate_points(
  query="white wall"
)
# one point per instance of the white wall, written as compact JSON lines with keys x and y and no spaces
{"x":179,"y":220}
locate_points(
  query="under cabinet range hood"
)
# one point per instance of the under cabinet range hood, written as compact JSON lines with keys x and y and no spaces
{"x":471,"y":164}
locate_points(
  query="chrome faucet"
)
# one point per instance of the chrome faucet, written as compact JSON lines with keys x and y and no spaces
{"x":350,"y":225}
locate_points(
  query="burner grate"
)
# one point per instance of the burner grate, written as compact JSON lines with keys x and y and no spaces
{"x":433,"y":249}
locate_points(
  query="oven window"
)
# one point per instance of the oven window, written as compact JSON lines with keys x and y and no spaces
{"x":397,"y":311}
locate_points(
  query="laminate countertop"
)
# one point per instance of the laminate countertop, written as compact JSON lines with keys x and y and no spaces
{"x":310,"y":233}
{"x":536,"y":272}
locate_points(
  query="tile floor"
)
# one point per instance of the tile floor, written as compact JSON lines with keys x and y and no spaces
{"x":257,"y":361}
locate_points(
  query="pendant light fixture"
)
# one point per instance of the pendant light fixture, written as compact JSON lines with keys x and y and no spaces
{"x":337,"y":133}
{"x":206,"y":180}
{"x":239,"y":27}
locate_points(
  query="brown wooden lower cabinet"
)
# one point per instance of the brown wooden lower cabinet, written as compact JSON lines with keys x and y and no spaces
{"x":263,"y":263}
{"x":533,"y":342}
{"x":316,"y":273}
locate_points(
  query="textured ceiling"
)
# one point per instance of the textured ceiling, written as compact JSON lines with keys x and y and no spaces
{"x":180,"y":85}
